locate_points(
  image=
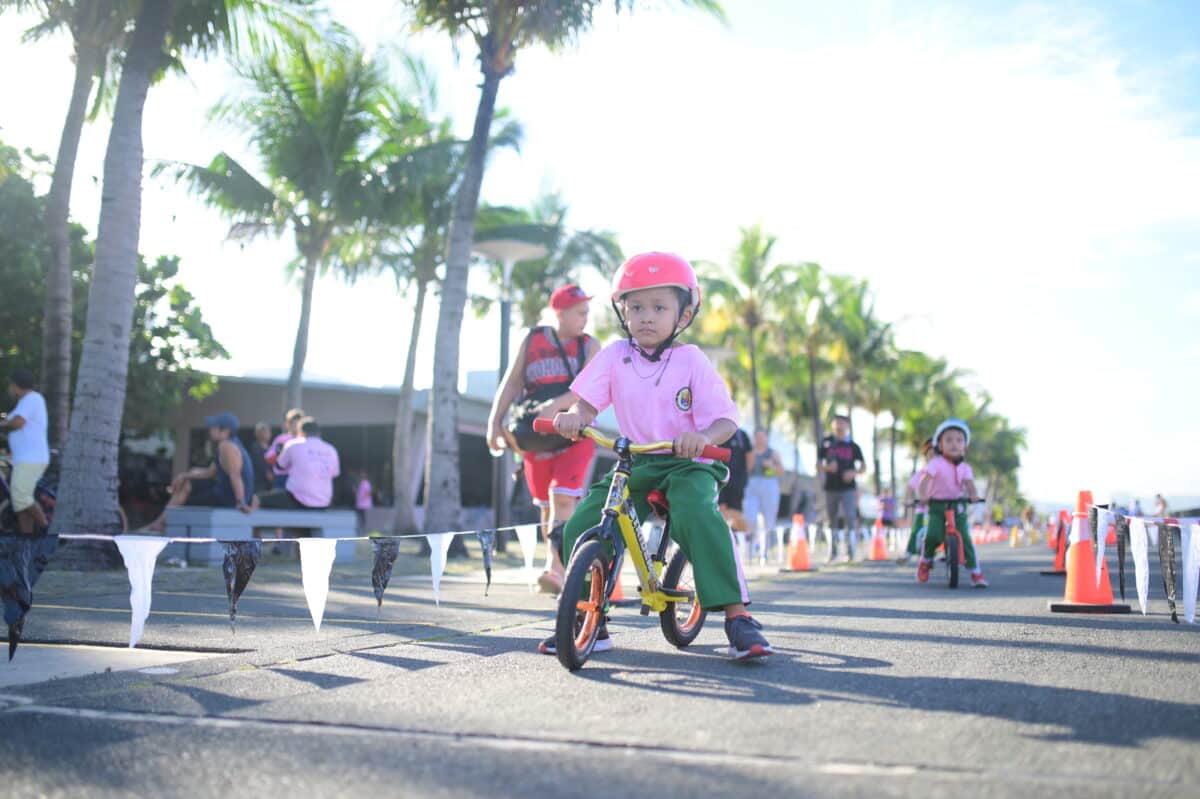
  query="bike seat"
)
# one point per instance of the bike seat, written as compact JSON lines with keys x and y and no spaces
{"x":658,"y":501}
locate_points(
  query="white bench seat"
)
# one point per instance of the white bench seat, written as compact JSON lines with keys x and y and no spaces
{"x":229,"y":524}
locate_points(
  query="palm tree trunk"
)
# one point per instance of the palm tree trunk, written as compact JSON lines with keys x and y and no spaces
{"x":818,"y":475}
{"x":57,"y":315}
{"x":875,"y":452}
{"x":87,"y":499}
{"x":758,"y":424}
{"x":402,"y":454}
{"x":443,"y":493}
{"x":892,"y":453}
{"x":295,"y":386}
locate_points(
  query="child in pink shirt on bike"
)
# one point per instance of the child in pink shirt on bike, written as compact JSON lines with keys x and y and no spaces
{"x":663,"y":391}
{"x":946,"y":482}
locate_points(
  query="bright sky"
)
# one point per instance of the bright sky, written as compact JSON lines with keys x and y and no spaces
{"x":1017,"y":181}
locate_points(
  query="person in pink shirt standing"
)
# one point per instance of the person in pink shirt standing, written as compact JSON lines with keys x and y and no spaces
{"x":364,"y":499}
{"x":663,"y":391}
{"x":946,"y":482}
{"x":311,"y":465}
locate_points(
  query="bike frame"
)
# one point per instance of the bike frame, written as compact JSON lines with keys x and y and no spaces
{"x":619,"y":512}
{"x":952,"y":530}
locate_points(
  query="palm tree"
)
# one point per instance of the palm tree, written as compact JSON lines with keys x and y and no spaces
{"x":499,"y":29}
{"x":97,"y":29}
{"x":749,"y":287}
{"x":880,"y":396}
{"x":805,"y":333}
{"x":568,"y":251}
{"x":314,"y":117}
{"x":420,"y":169}
{"x":861,"y":338}
{"x":162,"y":33}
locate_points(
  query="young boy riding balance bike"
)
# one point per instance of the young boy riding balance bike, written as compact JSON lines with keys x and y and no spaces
{"x":663,"y":391}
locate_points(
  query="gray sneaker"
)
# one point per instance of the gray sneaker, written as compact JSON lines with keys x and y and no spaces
{"x":745,"y":639}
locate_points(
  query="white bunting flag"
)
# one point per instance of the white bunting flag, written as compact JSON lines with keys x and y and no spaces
{"x":1191,"y":570}
{"x":1103,"y":519}
{"x":439,"y":547}
{"x":139,"y":553}
{"x":1139,"y":548}
{"x":527,"y":537}
{"x":316,"y":562}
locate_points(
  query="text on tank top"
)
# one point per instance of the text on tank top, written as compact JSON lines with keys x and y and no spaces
{"x":544,"y":363}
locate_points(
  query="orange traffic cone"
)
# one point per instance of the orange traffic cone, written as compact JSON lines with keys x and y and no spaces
{"x":1059,"y":533}
{"x":798,"y":561}
{"x":1085,"y":592}
{"x":879,"y":543}
{"x":1110,"y":540}
{"x":1051,"y":538}
{"x":617,"y":597}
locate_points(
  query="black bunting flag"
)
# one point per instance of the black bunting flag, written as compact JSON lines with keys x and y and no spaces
{"x":386,"y":552}
{"x":487,"y":541}
{"x":1166,"y":564}
{"x":1122,"y":545}
{"x":241,"y":557}
{"x":23,"y":558}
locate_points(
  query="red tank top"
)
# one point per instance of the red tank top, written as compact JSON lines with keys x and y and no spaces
{"x":544,"y":363}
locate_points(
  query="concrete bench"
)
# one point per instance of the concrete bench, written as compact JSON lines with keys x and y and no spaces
{"x":229,"y":524}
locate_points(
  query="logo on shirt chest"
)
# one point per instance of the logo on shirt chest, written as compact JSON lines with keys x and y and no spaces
{"x":683,"y":399}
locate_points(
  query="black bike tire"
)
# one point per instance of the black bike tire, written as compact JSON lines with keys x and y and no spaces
{"x":678,"y":635}
{"x":570,"y":654}
{"x":952,"y":545}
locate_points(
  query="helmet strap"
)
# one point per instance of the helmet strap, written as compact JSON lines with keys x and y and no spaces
{"x":652,"y":357}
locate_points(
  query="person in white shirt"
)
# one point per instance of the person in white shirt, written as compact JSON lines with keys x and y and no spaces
{"x":27,"y":424}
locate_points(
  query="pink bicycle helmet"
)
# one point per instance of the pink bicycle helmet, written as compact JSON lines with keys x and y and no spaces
{"x":653,"y":270}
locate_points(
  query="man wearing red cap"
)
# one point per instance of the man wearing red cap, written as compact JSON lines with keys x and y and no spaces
{"x":539,"y":376}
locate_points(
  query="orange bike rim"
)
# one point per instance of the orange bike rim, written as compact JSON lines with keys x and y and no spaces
{"x":694,"y":610}
{"x":591,"y":608}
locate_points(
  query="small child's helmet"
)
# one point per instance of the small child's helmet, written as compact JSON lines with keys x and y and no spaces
{"x":655,"y":270}
{"x":951,"y":424}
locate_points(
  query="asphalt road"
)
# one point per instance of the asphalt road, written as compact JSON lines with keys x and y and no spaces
{"x":880,"y":687}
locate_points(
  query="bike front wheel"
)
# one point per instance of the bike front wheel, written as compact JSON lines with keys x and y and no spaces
{"x":681,"y":621}
{"x":581,"y":605}
{"x":952,"y":546}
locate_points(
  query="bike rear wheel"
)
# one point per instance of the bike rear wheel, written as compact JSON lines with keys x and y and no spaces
{"x":952,"y":546}
{"x":580,"y":614}
{"x":681,"y":621}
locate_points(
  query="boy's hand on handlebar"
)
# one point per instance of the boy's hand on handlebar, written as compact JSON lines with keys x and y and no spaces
{"x":690,"y":445}
{"x":568,"y":425}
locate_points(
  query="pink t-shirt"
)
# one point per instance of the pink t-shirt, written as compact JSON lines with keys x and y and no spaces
{"x":656,"y":401}
{"x":276,"y":449}
{"x":948,"y":479}
{"x":913,"y":482}
{"x":362,"y":496}
{"x":311,"y":466}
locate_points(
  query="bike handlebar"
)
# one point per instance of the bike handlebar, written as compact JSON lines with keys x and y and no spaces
{"x":546,"y":426}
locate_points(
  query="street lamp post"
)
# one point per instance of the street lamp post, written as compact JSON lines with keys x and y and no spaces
{"x":509,"y":252}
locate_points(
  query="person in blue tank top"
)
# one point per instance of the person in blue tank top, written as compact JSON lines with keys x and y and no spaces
{"x":227,"y":482}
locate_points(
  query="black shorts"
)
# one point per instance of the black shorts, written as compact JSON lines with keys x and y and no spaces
{"x":731,"y":495}
{"x":204,"y":495}
{"x":282,"y":499}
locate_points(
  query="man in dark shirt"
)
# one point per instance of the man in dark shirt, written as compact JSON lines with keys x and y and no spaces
{"x":730,"y":500}
{"x":841,"y":461}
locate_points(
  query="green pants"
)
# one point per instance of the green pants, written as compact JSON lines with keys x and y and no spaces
{"x":696,"y":524}
{"x":936,"y":533}
{"x":918,"y":523}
